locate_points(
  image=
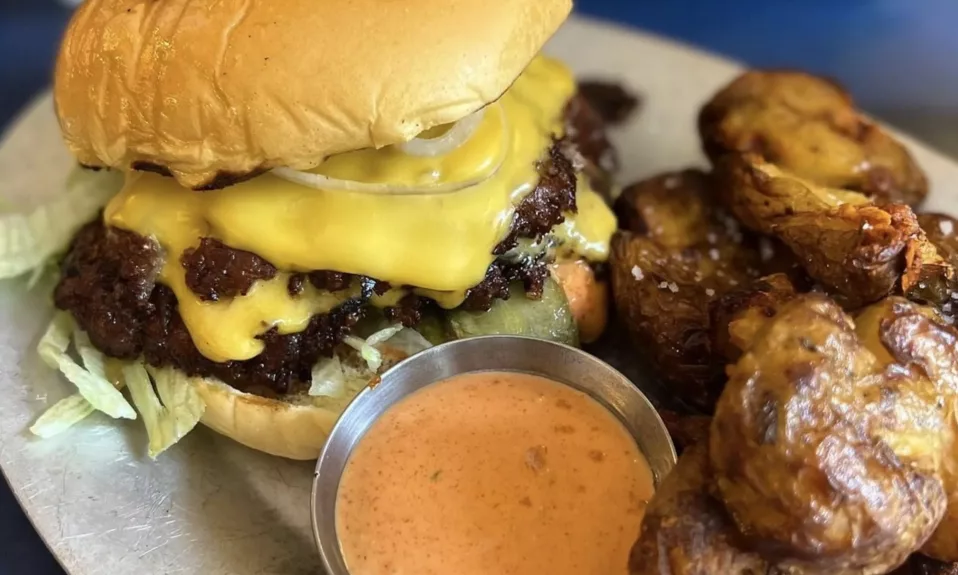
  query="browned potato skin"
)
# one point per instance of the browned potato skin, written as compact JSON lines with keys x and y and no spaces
{"x":915,"y":337}
{"x":686,"y":251}
{"x":686,"y":430}
{"x":942,"y":231}
{"x":759,"y":300}
{"x":676,"y":209}
{"x":810,"y":127}
{"x":826,"y":461}
{"x":904,"y":334}
{"x":686,"y":532}
{"x":862,"y":251}
{"x":921,"y":565}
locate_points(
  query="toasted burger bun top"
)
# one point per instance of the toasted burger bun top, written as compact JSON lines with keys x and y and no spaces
{"x":214,"y":91}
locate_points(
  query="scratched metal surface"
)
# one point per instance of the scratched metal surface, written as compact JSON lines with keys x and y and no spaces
{"x":210,"y":506}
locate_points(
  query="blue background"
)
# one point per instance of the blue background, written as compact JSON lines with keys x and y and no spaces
{"x":897,"y":56}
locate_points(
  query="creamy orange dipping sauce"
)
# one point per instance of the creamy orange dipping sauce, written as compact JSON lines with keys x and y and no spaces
{"x":493,"y":473}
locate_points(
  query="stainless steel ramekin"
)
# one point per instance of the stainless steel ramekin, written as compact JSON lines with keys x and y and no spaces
{"x":558,"y":362}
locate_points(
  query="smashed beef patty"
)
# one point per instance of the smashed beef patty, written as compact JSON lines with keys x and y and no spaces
{"x":109,"y":285}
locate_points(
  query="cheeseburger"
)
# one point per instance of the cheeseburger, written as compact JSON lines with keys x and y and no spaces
{"x":311,"y":191}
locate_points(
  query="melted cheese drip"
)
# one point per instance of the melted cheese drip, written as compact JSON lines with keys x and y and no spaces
{"x":442,"y":243}
{"x":586,"y":234}
{"x":222,"y":330}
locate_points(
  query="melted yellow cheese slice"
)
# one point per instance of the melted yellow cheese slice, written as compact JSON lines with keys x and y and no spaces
{"x":441,"y":243}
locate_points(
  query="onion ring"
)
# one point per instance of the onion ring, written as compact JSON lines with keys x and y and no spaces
{"x":457,"y":135}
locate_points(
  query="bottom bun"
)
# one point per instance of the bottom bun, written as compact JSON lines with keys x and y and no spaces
{"x":278,"y":427}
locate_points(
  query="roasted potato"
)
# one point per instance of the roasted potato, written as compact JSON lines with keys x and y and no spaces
{"x":685,"y":429}
{"x":921,"y":565}
{"x":761,"y":298}
{"x":587,"y":129}
{"x":686,"y":532}
{"x":912,"y":337}
{"x":677,"y":253}
{"x":942,"y":231}
{"x":613,"y":102}
{"x":825,"y":456}
{"x":859,"y":250}
{"x":810,"y":127}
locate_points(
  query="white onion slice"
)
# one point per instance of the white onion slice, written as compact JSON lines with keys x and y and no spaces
{"x":457,"y":135}
{"x":321,"y":182}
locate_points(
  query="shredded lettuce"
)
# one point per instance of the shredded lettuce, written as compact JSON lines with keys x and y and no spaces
{"x":367,"y":347}
{"x":92,"y":358}
{"x":170,"y":410}
{"x":89,"y":380}
{"x":41,"y":272}
{"x":370,"y":354}
{"x":383,"y":335}
{"x":27,"y":241}
{"x":409,"y":341}
{"x":180,"y":398}
{"x":329,"y":379}
{"x":74,"y":408}
{"x":63,"y":415}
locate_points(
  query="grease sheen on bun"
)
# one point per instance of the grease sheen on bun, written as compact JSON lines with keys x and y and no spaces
{"x":207,"y":89}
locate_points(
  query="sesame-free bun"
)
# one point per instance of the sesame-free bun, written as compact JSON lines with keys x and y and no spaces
{"x":296,"y":426}
{"x":215,"y":91}
{"x":292,"y":429}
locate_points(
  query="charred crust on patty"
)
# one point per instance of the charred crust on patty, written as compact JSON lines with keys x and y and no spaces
{"x":500,"y":276}
{"x":296,"y":284}
{"x":330,"y":281}
{"x":547,"y":205}
{"x":286,"y":359}
{"x":408,"y":311}
{"x":141,"y":166}
{"x":215,"y":271}
{"x":109,"y":285}
{"x":226,"y":179}
{"x":107,"y":278}
{"x":219,"y":181}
